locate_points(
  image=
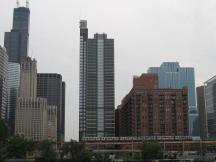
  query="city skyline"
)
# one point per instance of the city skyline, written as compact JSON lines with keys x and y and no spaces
{"x":137,"y":53}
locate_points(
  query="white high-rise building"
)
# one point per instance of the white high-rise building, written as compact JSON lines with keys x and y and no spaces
{"x":12,"y":93}
{"x":3,"y":82}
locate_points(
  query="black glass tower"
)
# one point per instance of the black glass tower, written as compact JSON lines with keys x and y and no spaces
{"x":51,"y":87}
{"x":16,"y":41}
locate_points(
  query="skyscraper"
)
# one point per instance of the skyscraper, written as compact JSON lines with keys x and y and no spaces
{"x":202,"y":111}
{"x":171,"y":75}
{"x":12,"y":93}
{"x":51,"y":87}
{"x":17,"y":40}
{"x":97,"y":118}
{"x":31,"y":112}
{"x":28,"y":78}
{"x":3,"y":82}
{"x":63,"y":110}
{"x":210,"y":98}
{"x":82,"y":79}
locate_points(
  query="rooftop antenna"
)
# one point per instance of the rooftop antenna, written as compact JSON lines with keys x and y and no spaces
{"x":27,"y":3}
{"x":18,"y":3}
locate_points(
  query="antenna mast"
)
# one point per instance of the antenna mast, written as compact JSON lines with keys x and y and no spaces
{"x":27,"y":3}
{"x":18,"y":3}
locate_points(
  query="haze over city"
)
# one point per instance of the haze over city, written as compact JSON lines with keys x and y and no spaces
{"x":146,"y":33}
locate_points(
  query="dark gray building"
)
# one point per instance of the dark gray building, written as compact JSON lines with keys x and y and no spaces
{"x":63,"y":110}
{"x":16,"y":42}
{"x":201,"y":111}
{"x":3,"y":82}
{"x":210,"y":103}
{"x":97,"y":118}
{"x":51,"y":87}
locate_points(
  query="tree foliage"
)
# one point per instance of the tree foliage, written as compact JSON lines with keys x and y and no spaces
{"x":18,"y":147}
{"x":151,"y":150}
{"x":75,"y":151}
{"x":3,"y":131}
{"x":48,"y":152}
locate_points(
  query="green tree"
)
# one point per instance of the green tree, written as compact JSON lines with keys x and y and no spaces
{"x":75,"y":151}
{"x":48,"y":152}
{"x":3,"y":132}
{"x":151,"y":150}
{"x":3,"y":152}
{"x":18,"y":146}
{"x":99,"y":157}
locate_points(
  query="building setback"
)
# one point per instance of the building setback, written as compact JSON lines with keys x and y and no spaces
{"x":12,"y":93}
{"x":151,"y":111}
{"x":171,"y":75}
{"x":3,"y":82}
{"x":51,"y":87}
{"x":16,"y":41}
{"x":210,"y":102}
{"x":97,"y":118}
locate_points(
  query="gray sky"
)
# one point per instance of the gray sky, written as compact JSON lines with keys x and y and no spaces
{"x":146,"y":33}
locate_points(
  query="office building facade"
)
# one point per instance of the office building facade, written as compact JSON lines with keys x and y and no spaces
{"x":16,"y":41}
{"x":12,"y":93}
{"x":51,"y":87}
{"x":97,"y":116}
{"x":3,"y":82}
{"x":202,"y":111}
{"x":210,"y":102}
{"x":151,"y":111}
{"x":28,"y":78}
{"x":32,"y":118}
{"x":171,"y":75}
{"x":32,"y":112}
{"x":82,"y":77}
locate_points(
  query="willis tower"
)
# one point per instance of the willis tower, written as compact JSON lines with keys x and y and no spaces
{"x":16,"y":41}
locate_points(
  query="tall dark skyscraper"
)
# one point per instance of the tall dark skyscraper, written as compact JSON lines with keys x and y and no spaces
{"x":51,"y":87}
{"x":97,"y":118}
{"x":17,"y":40}
{"x":202,"y":111}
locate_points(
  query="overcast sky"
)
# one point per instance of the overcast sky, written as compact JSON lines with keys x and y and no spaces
{"x":146,"y":33}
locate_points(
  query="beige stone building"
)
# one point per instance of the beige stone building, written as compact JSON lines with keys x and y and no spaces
{"x":34,"y":118}
{"x":28,"y":78}
{"x":31,"y":118}
{"x":52,"y":123}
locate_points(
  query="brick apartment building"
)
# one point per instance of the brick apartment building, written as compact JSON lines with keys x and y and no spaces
{"x":150,"y":111}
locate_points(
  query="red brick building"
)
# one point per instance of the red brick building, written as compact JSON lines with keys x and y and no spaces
{"x":150,"y":111}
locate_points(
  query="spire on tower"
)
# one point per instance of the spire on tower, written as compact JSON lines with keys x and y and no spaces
{"x":27,"y":3}
{"x":18,"y":3}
